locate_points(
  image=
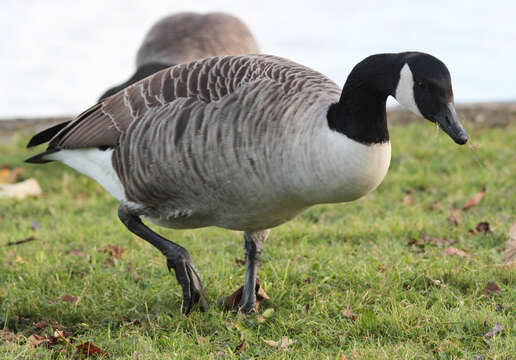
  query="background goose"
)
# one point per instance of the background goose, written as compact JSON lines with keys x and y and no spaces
{"x":245,"y":143}
{"x":188,"y":36}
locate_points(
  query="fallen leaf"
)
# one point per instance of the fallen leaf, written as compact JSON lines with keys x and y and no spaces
{"x":7,"y":336}
{"x":10,"y":176}
{"x":347,"y":312}
{"x":454,"y":218}
{"x":436,"y":241}
{"x":69,"y":298}
{"x":483,"y":226}
{"x":497,"y":328}
{"x":243,"y":345}
{"x":232,"y":301}
{"x":30,"y":238}
{"x":434,"y":206}
{"x":454,"y":251}
{"x":280,"y":344}
{"x":89,"y":349}
{"x":114,"y":251}
{"x":21,"y":190}
{"x":407,"y":200}
{"x":239,"y":262}
{"x":509,"y":255}
{"x":34,"y":225}
{"x":491,"y":289}
{"x":36,"y":340}
{"x":20,"y":260}
{"x":40,"y":325}
{"x":75,"y":252}
{"x":475,"y":200}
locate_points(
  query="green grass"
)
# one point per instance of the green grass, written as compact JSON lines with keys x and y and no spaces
{"x":411,"y":302}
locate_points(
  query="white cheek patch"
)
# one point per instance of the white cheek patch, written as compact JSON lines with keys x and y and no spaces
{"x":405,"y":90}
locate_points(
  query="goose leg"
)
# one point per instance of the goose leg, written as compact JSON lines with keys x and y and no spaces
{"x":253,"y":246}
{"x":177,"y":256}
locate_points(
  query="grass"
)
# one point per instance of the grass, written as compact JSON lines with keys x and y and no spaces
{"x":411,"y":302}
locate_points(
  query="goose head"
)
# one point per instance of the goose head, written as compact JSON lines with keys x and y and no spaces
{"x":424,"y":87}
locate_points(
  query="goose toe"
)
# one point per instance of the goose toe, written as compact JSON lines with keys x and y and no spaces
{"x":191,"y":284}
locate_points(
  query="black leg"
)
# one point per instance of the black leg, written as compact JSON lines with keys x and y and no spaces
{"x":177,"y":256}
{"x":253,"y":246}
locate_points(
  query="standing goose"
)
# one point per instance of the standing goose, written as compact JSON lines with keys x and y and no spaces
{"x":185,"y":37}
{"x":246,"y":143}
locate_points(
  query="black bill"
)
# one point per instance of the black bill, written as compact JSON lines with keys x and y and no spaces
{"x":448,"y":121}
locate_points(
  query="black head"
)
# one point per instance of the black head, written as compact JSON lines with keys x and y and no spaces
{"x":424,"y":87}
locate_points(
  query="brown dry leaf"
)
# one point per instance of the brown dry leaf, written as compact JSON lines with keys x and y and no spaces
{"x":69,"y":298}
{"x":20,"y":260}
{"x":434,"y":206}
{"x":7,"y":336}
{"x":40,"y":325}
{"x":75,"y":252}
{"x":21,"y":190}
{"x":280,"y":344}
{"x":114,"y":251}
{"x":232,"y":301}
{"x":454,"y":218}
{"x":491,"y":289}
{"x":10,"y":176}
{"x":497,"y":328}
{"x":407,"y":200}
{"x":509,"y":255}
{"x":454,"y":251}
{"x":36,"y":340}
{"x":436,"y":241}
{"x":239,"y":262}
{"x":483,"y":226}
{"x":89,"y":349}
{"x":475,"y":200}
{"x":347,"y":312}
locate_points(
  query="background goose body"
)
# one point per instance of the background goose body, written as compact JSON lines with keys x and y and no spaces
{"x":245,"y":143}
{"x":188,"y":36}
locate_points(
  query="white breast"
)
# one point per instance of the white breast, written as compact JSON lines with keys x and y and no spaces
{"x":342,"y":169}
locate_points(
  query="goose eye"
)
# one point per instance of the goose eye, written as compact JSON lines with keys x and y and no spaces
{"x":422,"y":85}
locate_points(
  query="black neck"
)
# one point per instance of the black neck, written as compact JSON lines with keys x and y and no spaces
{"x":360,"y":113}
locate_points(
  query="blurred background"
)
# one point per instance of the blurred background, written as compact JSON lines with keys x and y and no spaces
{"x":57,"y":57}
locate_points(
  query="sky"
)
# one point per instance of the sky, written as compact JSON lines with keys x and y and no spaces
{"x":57,"y":57}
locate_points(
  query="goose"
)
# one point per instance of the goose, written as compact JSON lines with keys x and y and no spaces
{"x":185,"y":37}
{"x":245,"y":143}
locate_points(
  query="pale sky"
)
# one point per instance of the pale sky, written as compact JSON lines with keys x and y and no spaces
{"x":57,"y":57}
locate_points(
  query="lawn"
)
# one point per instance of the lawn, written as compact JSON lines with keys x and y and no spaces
{"x":395,"y":275}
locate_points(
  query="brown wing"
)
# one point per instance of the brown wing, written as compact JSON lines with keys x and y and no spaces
{"x":206,"y":80}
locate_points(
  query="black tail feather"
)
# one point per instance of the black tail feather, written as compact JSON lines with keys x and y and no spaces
{"x":38,"y":159}
{"x":47,"y":134}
